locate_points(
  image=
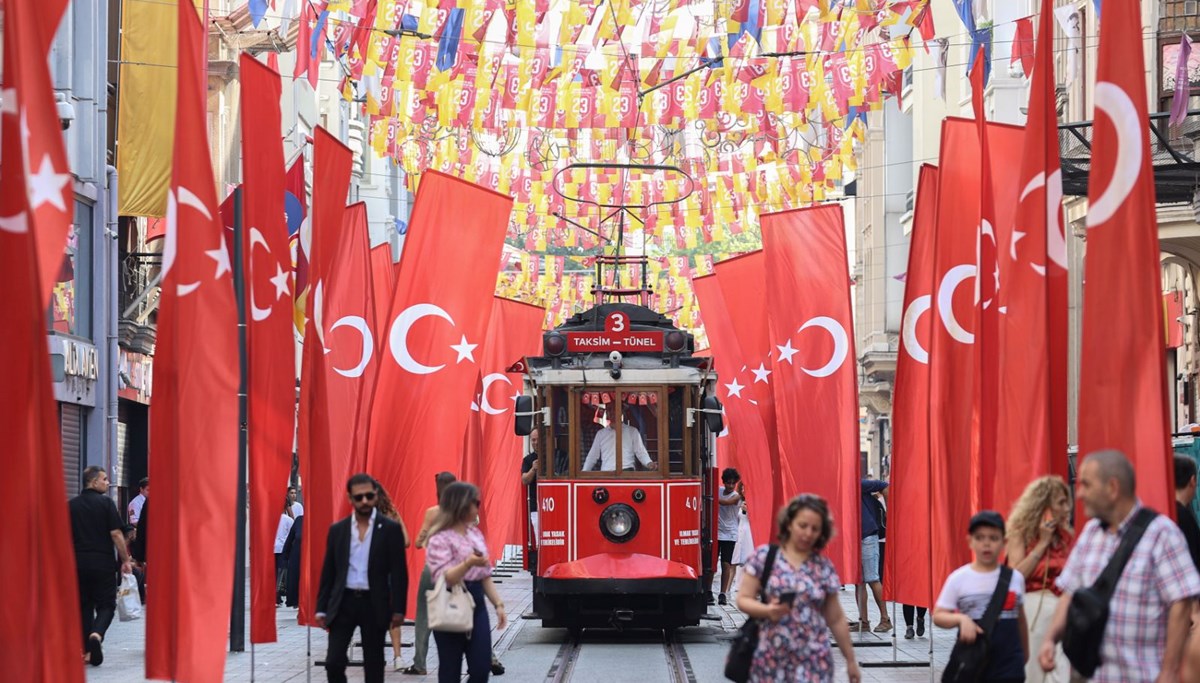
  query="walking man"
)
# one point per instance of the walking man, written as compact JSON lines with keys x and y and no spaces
{"x":1150,"y":611}
{"x":364,"y":583}
{"x":96,"y":529}
{"x":730,"y":502}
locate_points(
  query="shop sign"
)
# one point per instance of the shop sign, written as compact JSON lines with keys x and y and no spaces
{"x":76,"y":368}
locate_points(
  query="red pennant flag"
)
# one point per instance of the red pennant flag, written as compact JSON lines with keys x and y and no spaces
{"x":1032,"y":417}
{"x":746,"y":442}
{"x":910,"y":524}
{"x":39,"y":623}
{"x":515,"y":329}
{"x":322,"y":498}
{"x":193,"y":424}
{"x":1122,"y":389}
{"x":1022,"y":49}
{"x":816,"y":379}
{"x":439,"y":317}
{"x":270,"y":344}
{"x":743,"y":280}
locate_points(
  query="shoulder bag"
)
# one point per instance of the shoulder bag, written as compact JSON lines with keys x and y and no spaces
{"x":451,"y":609}
{"x":969,"y":661}
{"x":1087,"y":615}
{"x":741,"y":652}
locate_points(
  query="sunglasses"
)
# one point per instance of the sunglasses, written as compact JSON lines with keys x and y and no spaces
{"x":360,"y":497}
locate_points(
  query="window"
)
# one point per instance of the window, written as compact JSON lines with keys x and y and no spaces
{"x":71,"y":301}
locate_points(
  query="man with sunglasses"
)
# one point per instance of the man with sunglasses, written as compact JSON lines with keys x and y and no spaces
{"x":364,"y":583}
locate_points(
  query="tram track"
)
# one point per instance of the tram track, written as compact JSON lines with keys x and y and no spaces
{"x":679,"y":667}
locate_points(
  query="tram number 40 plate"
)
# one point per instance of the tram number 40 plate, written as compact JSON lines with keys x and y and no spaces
{"x":617,"y":336}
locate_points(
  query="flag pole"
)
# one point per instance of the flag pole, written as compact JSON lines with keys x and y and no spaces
{"x":237,"y":618}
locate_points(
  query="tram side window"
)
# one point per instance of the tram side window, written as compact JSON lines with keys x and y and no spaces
{"x":559,"y":447}
{"x":597,"y":433}
{"x":675,"y":429}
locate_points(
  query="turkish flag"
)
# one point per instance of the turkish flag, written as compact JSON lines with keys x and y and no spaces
{"x":816,"y":378}
{"x":745,"y":441}
{"x":1022,"y":49}
{"x":514,"y":331}
{"x":439,"y":316}
{"x":270,"y":343}
{"x":323,"y":500}
{"x":956,"y":481}
{"x":30,"y":125}
{"x":383,"y":286}
{"x":910,"y":523}
{"x":743,"y":281}
{"x":39,"y":622}
{"x":194,"y":420}
{"x":1032,"y":416}
{"x":1122,"y":388}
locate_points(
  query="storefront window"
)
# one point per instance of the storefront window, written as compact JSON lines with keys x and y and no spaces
{"x":71,"y":301}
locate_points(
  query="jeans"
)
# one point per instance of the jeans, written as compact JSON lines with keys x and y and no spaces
{"x":97,"y":597}
{"x":421,"y":623}
{"x":475,"y":646}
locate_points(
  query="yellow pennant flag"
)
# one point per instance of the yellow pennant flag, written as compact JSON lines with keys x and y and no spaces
{"x":146,"y":116}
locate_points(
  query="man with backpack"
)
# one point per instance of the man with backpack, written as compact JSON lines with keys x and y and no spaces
{"x":1128,"y":584}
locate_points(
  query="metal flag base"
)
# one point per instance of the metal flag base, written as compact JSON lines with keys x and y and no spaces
{"x":896,"y":662}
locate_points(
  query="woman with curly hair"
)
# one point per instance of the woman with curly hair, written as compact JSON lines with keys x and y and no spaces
{"x":1038,"y":542}
{"x":799,"y":605}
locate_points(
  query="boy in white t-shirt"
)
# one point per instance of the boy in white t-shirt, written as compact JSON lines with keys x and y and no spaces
{"x":967,"y":592}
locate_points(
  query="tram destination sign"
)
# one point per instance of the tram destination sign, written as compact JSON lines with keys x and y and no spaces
{"x":617,"y":336}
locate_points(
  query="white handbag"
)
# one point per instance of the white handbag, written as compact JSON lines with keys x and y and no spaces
{"x":450,"y":609}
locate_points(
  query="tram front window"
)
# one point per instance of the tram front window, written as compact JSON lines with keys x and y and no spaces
{"x":610,"y":438}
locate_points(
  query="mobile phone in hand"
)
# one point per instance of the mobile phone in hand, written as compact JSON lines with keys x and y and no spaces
{"x":788,"y":598}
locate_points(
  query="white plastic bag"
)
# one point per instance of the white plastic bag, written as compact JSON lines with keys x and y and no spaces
{"x":129,"y":604}
{"x":745,"y":542}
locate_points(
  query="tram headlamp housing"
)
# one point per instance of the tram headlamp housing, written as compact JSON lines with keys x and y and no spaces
{"x":619,"y":523}
{"x":554,"y":344}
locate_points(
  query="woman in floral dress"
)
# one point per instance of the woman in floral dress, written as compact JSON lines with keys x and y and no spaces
{"x":793,"y":642}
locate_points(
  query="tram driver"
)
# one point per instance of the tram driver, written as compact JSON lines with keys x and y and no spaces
{"x":604,"y":449}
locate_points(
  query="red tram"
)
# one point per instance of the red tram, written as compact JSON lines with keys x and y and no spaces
{"x":627,"y":419}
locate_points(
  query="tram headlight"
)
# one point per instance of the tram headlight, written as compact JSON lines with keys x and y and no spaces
{"x":619,"y":523}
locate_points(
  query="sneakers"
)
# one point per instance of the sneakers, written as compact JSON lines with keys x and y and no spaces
{"x":414,"y":670}
{"x":710,"y":599}
{"x":920,"y":628}
{"x":908,"y":633}
{"x":497,"y":668}
{"x":397,"y":665}
{"x":721,"y":599}
{"x":884,"y":626}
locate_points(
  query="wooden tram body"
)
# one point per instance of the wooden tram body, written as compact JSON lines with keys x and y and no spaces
{"x":622,"y":547}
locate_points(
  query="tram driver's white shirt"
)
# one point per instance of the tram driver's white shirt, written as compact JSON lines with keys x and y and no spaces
{"x":604,"y":448}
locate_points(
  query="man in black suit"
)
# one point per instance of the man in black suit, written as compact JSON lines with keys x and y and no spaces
{"x":364,"y":583}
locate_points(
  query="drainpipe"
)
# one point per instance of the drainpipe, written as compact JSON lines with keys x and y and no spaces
{"x":112,"y":282}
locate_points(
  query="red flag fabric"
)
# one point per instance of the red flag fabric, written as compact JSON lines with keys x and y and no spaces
{"x":515,"y":329}
{"x":439,"y":316}
{"x":193,"y":423}
{"x":310,"y":44}
{"x":743,"y":280}
{"x":1122,"y":388}
{"x":322,"y":491}
{"x":270,"y":344}
{"x":39,"y":624}
{"x":955,"y":480}
{"x":910,"y":523}
{"x":1022,"y":50}
{"x":745,"y":445}
{"x":383,"y":285}
{"x":31,"y":125}
{"x":816,"y":379}
{"x":1032,"y":416}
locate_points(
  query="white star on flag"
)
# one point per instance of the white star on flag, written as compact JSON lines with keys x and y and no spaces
{"x":516,"y":396}
{"x":46,"y":186}
{"x":761,"y":374}
{"x":221,"y":256}
{"x":734,"y":388}
{"x":280,"y":281}
{"x":786,"y":351}
{"x":465,"y":350}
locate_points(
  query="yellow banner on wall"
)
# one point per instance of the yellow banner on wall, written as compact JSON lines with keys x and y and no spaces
{"x":146,"y":106}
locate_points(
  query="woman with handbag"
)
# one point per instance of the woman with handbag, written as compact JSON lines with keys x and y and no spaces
{"x":1037,"y":544}
{"x":421,"y":620}
{"x":456,"y":555}
{"x":387,"y":508}
{"x":799,"y":603}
